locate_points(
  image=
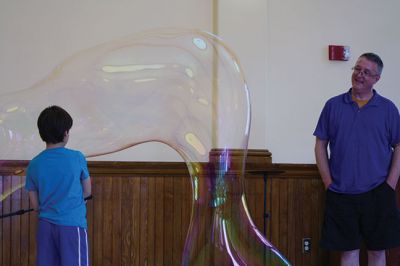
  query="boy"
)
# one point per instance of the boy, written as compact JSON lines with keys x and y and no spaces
{"x":58,"y":181}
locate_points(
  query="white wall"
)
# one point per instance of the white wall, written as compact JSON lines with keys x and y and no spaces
{"x":241,"y":24}
{"x":38,"y":35}
{"x":282,"y":46}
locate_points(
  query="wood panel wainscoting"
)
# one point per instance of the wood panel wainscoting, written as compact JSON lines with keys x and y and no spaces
{"x":140,"y":212}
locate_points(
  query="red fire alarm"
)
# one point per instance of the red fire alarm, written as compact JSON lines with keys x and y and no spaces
{"x":339,"y":52}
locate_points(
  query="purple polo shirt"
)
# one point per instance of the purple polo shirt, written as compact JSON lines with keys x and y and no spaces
{"x":361,"y":141}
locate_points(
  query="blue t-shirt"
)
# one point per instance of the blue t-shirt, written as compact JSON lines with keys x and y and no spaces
{"x":361,"y":141}
{"x":56,"y":175}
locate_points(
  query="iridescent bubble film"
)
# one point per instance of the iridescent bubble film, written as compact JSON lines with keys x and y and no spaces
{"x":183,"y":88}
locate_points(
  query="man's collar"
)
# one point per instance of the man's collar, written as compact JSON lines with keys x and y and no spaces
{"x":373,"y":101}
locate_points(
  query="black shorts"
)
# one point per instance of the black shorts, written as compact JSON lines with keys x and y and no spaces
{"x":372,"y":217}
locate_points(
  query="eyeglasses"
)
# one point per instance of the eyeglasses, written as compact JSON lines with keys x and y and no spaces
{"x":366,"y":73}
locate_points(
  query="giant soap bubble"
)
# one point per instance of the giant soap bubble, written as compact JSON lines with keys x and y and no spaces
{"x":183,"y":88}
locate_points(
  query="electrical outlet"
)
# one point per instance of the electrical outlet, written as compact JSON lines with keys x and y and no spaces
{"x":307,"y":245}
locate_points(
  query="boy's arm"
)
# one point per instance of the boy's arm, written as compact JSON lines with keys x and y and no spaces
{"x":87,"y":187}
{"x":34,"y":199}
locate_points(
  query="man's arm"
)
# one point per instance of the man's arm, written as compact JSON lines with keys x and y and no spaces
{"x":87,"y":187}
{"x":394,"y":171}
{"x":34,"y":199}
{"x":321,"y":156}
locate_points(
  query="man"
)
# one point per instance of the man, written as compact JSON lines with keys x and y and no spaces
{"x":361,"y":171}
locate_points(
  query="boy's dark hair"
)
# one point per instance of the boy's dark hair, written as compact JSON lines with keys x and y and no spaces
{"x":53,"y":122}
{"x":376,"y":59}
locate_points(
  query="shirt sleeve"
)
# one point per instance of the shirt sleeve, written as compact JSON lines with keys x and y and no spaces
{"x":394,"y":126}
{"x":29,"y":182}
{"x":322,"y":129}
{"x":84,"y":167}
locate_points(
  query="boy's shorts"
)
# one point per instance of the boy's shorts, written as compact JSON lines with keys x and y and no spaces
{"x":372,"y":217}
{"x":61,"y":245}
